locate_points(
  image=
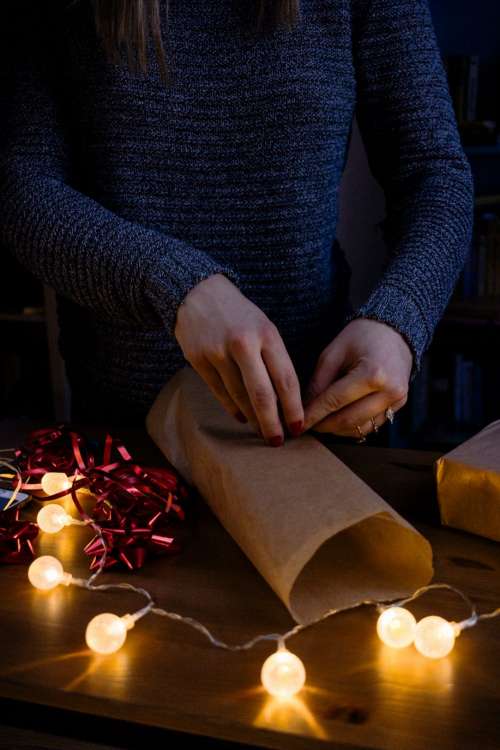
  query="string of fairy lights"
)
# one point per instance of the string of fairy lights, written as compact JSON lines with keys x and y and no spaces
{"x":283,"y":674}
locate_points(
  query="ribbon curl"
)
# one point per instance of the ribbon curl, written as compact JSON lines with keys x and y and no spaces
{"x":16,"y":537}
{"x":139,"y":510}
{"x":52,"y":449}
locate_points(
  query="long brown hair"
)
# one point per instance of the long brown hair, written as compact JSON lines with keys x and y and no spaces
{"x":125,"y":26}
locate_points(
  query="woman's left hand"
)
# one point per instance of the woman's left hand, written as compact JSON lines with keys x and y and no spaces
{"x":364,"y":370}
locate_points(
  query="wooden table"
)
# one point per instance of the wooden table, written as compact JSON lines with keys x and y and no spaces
{"x":169,"y":685}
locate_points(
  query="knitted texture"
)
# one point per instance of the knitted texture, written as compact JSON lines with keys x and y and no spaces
{"x":122,"y":193}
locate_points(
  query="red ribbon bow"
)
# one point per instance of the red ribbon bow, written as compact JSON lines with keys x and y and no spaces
{"x":138,"y":511}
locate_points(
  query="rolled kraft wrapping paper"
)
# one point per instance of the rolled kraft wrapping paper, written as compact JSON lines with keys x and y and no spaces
{"x":468,"y":484}
{"x":315,"y":531}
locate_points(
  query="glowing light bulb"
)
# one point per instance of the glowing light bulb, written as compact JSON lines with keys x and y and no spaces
{"x":106,"y":633}
{"x":46,"y":573}
{"x":283,"y":674}
{"x":52,"y":518}
{"x":54,"y":482}
{"x":396,"y":627}
{"x":435,"y":637}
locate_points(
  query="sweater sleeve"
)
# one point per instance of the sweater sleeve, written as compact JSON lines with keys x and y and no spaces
{"x":408,"y":125}
{"x":121,"y":269}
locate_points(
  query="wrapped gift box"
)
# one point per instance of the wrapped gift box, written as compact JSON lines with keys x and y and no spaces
{"x":468,"y":484}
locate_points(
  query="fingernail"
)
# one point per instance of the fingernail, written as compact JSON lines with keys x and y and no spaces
{"x":240,"y":417}
{"x":296,"y":427}
{"x":276,"y":440}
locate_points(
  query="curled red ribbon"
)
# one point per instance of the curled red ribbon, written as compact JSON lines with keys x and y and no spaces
{"x":55,"y":449}
{"x":139,"y":510}
{"x":16,"y":537}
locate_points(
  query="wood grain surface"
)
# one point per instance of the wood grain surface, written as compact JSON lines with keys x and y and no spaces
{"x":169,"y":684}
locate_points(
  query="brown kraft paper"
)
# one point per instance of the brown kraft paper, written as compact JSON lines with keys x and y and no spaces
{"x":316,"y":532}
{"x":468,"y":484}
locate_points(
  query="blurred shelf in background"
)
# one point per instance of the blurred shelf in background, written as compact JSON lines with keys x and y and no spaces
{"x":457,"y":391}
{"x":32,"y":378}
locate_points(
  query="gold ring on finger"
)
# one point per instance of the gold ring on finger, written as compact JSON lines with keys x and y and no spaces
{"x":362,"y":436}
{"x":374,"y":424}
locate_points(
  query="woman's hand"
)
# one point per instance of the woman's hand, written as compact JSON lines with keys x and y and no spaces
{"x":241,"y":356}
{"x":364,"y":370}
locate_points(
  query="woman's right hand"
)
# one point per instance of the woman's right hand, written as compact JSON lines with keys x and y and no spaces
{"x":240,"y":354}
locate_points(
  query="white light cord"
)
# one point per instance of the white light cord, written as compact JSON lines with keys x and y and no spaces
{"x":213,"y":640}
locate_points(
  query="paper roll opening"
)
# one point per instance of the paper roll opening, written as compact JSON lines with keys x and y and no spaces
{"x":377,"y":558}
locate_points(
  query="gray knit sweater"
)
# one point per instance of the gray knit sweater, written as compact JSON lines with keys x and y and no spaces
{"x":123,"y":193}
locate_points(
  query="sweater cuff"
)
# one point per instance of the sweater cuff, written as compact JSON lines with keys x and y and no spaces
{"x":395,"y":307}
{"x":166,"y":292}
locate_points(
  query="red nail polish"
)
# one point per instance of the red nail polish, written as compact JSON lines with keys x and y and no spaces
{"x":240,"y":417}
{"x":276,"y":440}
{"x":296,"y":427}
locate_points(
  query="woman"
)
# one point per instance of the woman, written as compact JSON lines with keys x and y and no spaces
{"x":172,"y":168}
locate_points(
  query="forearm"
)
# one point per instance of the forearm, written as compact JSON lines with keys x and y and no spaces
{"x":89,"y":254}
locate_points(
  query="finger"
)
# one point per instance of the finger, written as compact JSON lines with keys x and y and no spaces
{"x":231,"y":376}
{"x":327,"y":370}
{"x":286,"y":384}
{"x":216,"y":385}
{"x":344,"y":422}
{"x":338,"y":395}
{"x":261,"y":393}
{"x":381,"y":419}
